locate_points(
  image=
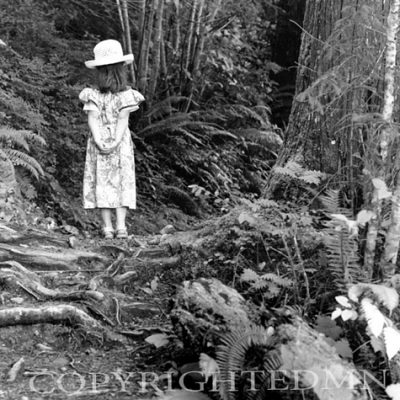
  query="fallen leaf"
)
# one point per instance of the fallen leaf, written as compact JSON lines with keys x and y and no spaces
{"x":158,"y":339}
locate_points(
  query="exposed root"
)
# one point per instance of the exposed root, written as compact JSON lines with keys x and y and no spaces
{"x":67,"y":259}
{"x":30,"y":282}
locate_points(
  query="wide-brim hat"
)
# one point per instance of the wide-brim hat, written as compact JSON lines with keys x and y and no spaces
{"x":108,"y":52}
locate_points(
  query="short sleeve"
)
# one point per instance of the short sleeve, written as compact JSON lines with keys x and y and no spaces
{"x":130,"y":100}
{"x":89,"y":99}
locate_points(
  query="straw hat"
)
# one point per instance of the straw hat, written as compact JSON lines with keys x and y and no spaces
{"x":108,"y":52}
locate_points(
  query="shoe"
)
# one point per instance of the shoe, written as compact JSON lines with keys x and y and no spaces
{"x":108,"y":233}
{"x":122,"y":233}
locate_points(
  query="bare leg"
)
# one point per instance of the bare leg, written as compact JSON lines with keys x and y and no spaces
{"x":106,"y":216}
{"x":121,"y":214}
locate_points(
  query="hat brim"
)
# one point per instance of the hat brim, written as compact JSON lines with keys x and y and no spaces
{"x":127,"y":59}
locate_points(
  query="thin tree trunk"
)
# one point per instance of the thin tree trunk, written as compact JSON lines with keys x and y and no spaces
{"x":156,"y":49}
{"x":190,"y":35}
{"x":201,"y":34}
{"x":121,"y":20}
{"x":177,"y":36}
{"x":144,"y":55}
{"x":200,"y":28}
{"x":141,"y":25}
{"x":128,"y":40}
{"x":164,"y":70}
{"x":393,"y":235}
{"x":142,"y":16}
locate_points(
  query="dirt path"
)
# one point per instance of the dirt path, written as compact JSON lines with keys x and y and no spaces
{"x":87,"y":308}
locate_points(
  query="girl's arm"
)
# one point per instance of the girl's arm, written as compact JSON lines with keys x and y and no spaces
{"x":93,"y":123}
{"x":121,"y":127}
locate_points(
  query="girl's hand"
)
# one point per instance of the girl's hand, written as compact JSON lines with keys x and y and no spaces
{"x":105,"y":148}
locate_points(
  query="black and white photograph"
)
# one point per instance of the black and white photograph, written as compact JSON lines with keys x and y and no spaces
{"x":199,"y":199}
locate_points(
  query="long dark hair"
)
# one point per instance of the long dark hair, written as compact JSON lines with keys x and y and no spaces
{"x":112,"y":78}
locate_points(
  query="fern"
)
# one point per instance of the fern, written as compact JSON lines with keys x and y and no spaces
{"x":341,"y":247}
{"x":231,"y":355}
{"x":244,"y":112}
{"x":296,"y":171}
{"x":331,"y":202}
{"x":166,"y":107}
{"x":269,"y":282}
{"x":264,"y":137}
{"x":272,"y":362}
{"x":10,"y":138}
{"x":22,"y":110}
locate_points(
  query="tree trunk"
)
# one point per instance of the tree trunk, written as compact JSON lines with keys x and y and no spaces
{"x":393,"y":234}
{"x":141,"y":26}
{"x":144,"y":54}
{"x":142,"y":17}
{"x":197,"y":50}
{"x":177,"y":35}
{"x":304,"y":122}
{"x":159,"y":4}
{"x":187,"y":51}
{"x":164,"y":71}
{"x":128,"y":40}
{"x":121,"y":21}
{"x":332,"y":74}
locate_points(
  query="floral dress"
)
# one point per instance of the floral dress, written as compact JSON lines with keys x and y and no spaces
{"x":109,"y":179}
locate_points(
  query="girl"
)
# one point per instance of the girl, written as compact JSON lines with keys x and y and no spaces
{"x":109,"y":177}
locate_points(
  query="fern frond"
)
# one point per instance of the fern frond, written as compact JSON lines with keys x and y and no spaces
{"x":22,"y":109}
{"x":242,"y":111}
{"x":165,"y":124}
{"x":331,"y":203}
{"x":261,"y":136}
{"x":232,"y":353}
{"x":284,"y":282}
{"x":223,"y":133}
{"x":296,"y":171}
{"x":165,"y":106}
{"x":271,"y":363}
{"x":189,"y":135}
{"x":12,"y":137}
{"x":24,"y":160}
{"x":342,"y":254}
{"x":19,"y":137}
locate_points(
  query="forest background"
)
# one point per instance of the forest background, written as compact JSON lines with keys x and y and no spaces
{"x":218,"y":89}
{"x":279,"y":117}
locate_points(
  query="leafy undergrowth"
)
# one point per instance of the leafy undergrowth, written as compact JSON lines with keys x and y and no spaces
{"x":61,"y":360}
{"x":277,"y":255}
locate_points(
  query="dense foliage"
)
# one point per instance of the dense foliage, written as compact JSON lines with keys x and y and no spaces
{"x":202,"y":96}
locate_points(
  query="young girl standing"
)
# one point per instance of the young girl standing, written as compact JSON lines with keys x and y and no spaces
{"x":109,"y":177}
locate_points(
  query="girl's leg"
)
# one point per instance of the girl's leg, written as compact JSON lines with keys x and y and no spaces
{"x":106,"y":216}
{"x":121,"y":214}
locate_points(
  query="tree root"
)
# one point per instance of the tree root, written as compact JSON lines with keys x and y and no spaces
{"x":30,"y":282}
{"x":47,"y":314}
{"x":67,"y":259}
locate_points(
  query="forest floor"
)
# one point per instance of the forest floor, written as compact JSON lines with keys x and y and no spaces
{"x":125,"y":350}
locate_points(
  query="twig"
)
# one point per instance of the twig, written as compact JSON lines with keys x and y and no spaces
{"x":117,"y":311}
{"x":293,"y":265}
{"x":296,"y":246}
{"x":29,"y":291}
